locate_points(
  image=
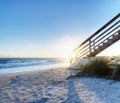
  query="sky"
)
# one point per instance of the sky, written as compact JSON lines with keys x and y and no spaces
{"x":52,"y":28}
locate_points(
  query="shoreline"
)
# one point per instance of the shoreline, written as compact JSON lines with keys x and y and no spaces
{"x":17,"y":70}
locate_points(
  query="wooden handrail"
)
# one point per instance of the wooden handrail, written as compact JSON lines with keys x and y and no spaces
{"x":117,"y":16}
{"x":78,"y":57}
{"x":99,"y":37}
{"x":108,"y":29}
{"x":107,"y":34}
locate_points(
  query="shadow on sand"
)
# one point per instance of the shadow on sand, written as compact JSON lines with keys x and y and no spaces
{"x":72,"y":94}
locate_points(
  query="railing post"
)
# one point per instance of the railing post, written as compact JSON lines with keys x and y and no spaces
{"x":94,"y":45}
{"x":119,"y":32}
{"x":90,"y":47}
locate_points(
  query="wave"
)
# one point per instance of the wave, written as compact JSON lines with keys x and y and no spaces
{"x":21,"y":62}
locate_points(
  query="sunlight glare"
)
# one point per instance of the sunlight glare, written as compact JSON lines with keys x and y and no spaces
{"x":67,"y":47}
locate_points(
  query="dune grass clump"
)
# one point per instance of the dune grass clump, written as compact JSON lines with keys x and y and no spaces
{"x":97,"y":67}
{"x":116,"y":72}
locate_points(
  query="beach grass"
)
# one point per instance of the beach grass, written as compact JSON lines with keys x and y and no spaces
{"x":102,"y":67}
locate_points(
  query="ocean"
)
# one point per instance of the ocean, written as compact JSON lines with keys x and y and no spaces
{"x":16,"y":65}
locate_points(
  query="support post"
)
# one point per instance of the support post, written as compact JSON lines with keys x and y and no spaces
{"x":90,"y":47}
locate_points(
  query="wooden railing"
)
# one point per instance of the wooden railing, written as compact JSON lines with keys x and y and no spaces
{"x":100,"y":40}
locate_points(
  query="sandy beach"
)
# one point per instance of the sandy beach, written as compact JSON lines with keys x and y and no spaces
{"x":51,"y":86}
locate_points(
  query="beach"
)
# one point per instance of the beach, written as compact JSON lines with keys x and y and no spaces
{"x":55,"y":86}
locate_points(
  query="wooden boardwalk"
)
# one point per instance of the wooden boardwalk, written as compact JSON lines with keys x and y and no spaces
{"x":100,"y":40}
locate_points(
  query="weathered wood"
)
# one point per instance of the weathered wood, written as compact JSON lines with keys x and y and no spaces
{"x":100,"y":40}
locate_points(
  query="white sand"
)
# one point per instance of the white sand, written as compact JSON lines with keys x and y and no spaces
{"x":51,"y":86}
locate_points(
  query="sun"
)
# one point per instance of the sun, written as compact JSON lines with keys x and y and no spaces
{"x":67,"y":46}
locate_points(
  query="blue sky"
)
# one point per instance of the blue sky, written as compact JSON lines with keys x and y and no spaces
{"x":45,"y":28}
